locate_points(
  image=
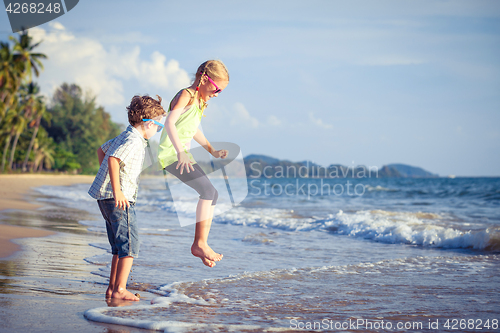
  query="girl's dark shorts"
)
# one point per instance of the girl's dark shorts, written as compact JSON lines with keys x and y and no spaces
{"x":197,"y":180}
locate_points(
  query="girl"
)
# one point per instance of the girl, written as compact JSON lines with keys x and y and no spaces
{"x":181,"y":126}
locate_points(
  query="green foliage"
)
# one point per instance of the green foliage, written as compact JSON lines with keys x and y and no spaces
{"x":65,"y":160}
{"x":79,"y":126}
{"x":65,"y":136}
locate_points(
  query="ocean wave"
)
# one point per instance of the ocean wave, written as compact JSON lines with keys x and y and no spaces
{"x":415,"y":228}
{"x":427,"y":229}
{"x":379,"y":188}
{"x":76,"y":193}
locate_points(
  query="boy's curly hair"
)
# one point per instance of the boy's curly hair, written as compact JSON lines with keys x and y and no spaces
{"x":144,"y":107}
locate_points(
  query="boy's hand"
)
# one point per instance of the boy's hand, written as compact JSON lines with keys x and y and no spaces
{"x":220,"y":153}
{"x":120,"y":200}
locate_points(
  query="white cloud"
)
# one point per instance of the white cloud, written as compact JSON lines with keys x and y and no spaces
{"x":273,"y":121}
{"x":57,"y":26}
{"x":240,"y":116}
{"x":318,"y":122}
{"x":103,"y":70}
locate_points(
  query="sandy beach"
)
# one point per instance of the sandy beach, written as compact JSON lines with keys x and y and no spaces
{"x":14,"y":193}
{"x":41,"y":288}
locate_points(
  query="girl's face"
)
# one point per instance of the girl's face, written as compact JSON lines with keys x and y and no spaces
{"x":211,"y":88}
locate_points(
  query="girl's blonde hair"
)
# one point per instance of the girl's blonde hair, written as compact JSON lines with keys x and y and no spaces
{"x":215,"y":69}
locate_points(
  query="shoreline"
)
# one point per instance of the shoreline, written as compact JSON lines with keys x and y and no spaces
{"x":15,"y":191}
{"x":46,"y":284}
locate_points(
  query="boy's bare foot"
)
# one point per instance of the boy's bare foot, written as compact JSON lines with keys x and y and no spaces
{"x":207,"y":262}
{"x":113,"y":302}
{"x":109,"y":292}
{"x":124,"y":294}
{"x":204,"y":251}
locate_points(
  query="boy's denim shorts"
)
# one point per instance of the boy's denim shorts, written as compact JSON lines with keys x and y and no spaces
{"x":121,"y":226}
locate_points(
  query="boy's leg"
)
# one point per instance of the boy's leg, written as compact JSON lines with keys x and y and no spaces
{"x":112,"y":276}
{"x":107,"y":208}
{"x":122,"y":271}
{"x":126,"y":241}
{"x":200,"y":248}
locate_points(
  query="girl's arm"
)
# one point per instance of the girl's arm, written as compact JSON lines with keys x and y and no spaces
{"x":202,"y":141}
{"x":177,"y":108}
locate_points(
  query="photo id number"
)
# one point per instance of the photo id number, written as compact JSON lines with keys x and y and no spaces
{"x":33,"y":8}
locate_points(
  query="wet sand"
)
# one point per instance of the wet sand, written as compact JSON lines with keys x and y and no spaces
{"x":46,"y":285}
{"x":15,"y":191}
{"x":10,"y":232}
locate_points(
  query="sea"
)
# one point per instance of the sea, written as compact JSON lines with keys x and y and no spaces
{"x":306,"y":254}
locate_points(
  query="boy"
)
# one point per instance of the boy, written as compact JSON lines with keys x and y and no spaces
{"x":115,"y":188}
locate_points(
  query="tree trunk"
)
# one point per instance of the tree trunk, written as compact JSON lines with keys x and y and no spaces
{"x":34,"y":165}
{"x":33,"y":137}
{"x":13,"y":151}
{"x":5,"y":149}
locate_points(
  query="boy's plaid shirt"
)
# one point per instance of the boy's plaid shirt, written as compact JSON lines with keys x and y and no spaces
{"x":129,"y":147}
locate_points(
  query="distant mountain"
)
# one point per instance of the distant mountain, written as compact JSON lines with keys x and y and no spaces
{"x":265,"y":166}
{"x":407,"y":171}
{"x":261,"y":158}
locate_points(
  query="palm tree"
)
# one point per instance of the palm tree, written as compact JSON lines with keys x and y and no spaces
{"x":25,"y":54}
{"x":15,"y":67}
{"x":11,"y":72}
{"x":16,"y":122}
{"x":27,"y":107}
{"x":40,"y":114}
{"x":44,"y":152}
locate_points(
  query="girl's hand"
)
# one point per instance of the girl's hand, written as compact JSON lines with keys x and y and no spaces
{"x":120,"y":200}
{"x":220,"y":153}
{"x":184,"y":162}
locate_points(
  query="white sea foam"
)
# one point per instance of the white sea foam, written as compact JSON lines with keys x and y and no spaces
{"x":105,"y":314}
{"x":410,"y":228}
{"x":463,"y":266}
{"x":378,"y":188}
{"x":417,"y":228}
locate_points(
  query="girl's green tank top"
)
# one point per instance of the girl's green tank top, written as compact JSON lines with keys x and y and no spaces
{"x":186,"y":126}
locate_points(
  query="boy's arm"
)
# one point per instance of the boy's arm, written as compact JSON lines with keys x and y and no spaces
{"x":101,"y":151}
{"x":100,"y":155}
{"x":114,"y":175}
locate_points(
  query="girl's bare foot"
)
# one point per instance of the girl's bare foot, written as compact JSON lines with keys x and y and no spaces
{"x":207,"y":262}
{"x":124,"y":294}
{"x":204,"y":251}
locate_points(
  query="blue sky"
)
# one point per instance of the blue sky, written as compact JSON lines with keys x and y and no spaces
{"x":363,"y":82}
